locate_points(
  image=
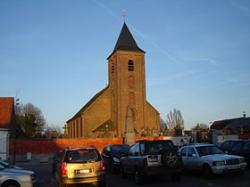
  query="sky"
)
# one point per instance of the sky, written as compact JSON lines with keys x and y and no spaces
{"x":53,"y":54}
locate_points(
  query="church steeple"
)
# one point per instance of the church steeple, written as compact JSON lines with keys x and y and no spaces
{"x":126,"y":41}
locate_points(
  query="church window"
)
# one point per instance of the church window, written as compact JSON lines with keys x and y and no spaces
{"x":112,"y":68}
{"x":131,"y":65}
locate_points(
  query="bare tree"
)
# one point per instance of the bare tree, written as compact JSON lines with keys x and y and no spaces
{"x":53,"y":131}
{"x":201,"y":130}
{"x":175,"y":121}
{"x":163,"y":127}
{"x":200,"y":126}
{"x":30,"y":119}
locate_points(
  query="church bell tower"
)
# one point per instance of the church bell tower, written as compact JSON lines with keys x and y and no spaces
{"x":127,"y":83}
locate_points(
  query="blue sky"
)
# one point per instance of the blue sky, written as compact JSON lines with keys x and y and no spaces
{"x":53,"y":54}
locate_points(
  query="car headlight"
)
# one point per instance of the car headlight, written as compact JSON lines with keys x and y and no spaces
{"x":115,"y":159}
{"x":219,"y":163}
{"x":33,"y":177}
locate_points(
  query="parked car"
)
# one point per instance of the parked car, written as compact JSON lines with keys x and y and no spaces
{"x":209,"y":159}
{"x":228,"y":144}
{"x":80,"y":165}
{"x":238,"y":147}
{"x":112,"y":154}
{"x":8,"y":165}
{"x":147,"y":158}
{"x":56,"y":160}
{"x":12,"y":177}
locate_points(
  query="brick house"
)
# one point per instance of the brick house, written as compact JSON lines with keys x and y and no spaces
{"x":6,"y":120}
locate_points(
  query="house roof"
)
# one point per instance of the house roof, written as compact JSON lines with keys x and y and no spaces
{"x":6,"y":111}
{"x":126,"y":41}
{"x":238,"y":123}
{"x":231,"y":123}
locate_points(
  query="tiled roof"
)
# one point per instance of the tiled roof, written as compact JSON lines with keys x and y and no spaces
{"x":87,"y":104}
{"x":220,"y":124}
{"x":238,"y":123}
{"x":126,"y":41}
{"x":106,"y":126}
{"x":231,"y":123}
{"x":6,"y":111}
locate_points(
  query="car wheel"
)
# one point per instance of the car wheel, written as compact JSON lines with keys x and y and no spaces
{"x":207,"y":172}
{"x":10,"y":184}
{"x":169,"y":158}
{"x":138,"y":178}
{"x":123,"y":174}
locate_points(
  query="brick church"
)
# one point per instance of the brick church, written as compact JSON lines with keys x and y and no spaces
{"x":122,"y":105}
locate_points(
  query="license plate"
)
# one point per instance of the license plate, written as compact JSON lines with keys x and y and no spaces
{"x":83,"y":171}
{"x":153,"y":159}
{"x":234,"y":167}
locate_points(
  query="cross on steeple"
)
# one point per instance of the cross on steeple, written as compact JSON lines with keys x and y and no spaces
{"x":124,"y":14}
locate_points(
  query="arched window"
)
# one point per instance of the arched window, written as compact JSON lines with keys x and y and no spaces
{"x":131,"y":65}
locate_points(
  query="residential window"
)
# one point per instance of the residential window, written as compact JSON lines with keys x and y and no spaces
{"x":131,"y":65}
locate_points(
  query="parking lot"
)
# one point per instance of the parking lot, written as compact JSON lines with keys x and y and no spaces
{"x":45,"y":179}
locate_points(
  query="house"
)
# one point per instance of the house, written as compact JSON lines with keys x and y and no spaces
{"x":6,"y":120}
{"x":121,"y":106}
{"x":231,"y":128}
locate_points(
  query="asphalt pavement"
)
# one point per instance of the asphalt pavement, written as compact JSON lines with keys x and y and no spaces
{"x":45,"y":179}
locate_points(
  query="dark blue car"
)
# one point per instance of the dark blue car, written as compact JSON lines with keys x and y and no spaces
{"x":111,"y":155}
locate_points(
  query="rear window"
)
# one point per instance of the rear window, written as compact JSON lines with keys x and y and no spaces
{"x":156,"y":147}
{"x":82,"y":156}
{"x":120,"y":148}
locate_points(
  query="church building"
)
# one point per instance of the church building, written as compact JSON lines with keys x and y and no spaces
{"x":122,"y":106}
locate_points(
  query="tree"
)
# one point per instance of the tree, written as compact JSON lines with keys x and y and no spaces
{"x":163,"y":127}
{"x":201,"y":130}
{"x":30,"y":119}
{"x":53,"y":132}
{"x":175,"y":122}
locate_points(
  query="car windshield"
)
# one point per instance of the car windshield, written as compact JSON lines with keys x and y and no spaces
{"x":208,"y":150}
{"x":120,"y":148}
{"x":82,"y":155}
{"x":4,"y":164}
{"x":157,"y":146}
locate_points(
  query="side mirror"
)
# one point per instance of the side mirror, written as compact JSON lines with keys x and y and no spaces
{"x":194,"y":155}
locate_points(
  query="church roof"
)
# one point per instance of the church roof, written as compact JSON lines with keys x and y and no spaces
{"x":87,"y":104}
{"x":126,"y":41}
{"x":106,"y":126}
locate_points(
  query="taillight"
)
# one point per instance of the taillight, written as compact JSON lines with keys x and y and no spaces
{"x":64,"y":170}
{"x":103,"y":168}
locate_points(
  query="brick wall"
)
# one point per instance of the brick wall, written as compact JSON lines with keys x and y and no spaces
{"x":52,"y":146}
